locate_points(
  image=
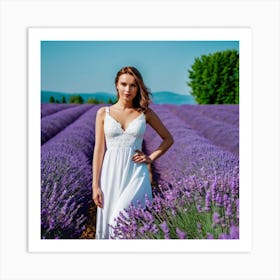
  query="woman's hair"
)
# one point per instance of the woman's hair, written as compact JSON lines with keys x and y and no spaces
{"x":142,"y":99}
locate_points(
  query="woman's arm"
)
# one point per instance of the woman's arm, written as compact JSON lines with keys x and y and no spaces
{"x":99,"y":149}
{"x":167,"y":140}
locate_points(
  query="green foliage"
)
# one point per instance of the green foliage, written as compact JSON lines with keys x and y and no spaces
{"x":77,"y":99}
{"x":63,"y":99}
{"x":97,"y":101}
{"x":93,"y":101}
{"x":214,"y":78}
{"x":52,"y":100}
{"x":111,"y":101}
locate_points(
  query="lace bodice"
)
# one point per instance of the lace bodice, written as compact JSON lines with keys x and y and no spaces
{"x":131,"y":137}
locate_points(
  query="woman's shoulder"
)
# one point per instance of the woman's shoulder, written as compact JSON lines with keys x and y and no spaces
{"x":101,"y":111}
{"x":150,"y":114}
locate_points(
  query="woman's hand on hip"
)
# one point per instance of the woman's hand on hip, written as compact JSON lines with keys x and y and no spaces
{"x":140,"y":157}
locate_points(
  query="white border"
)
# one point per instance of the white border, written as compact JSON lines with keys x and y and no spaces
{"x":243,"y":35}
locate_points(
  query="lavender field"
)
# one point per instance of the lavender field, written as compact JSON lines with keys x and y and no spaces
{"x":196,"y":183}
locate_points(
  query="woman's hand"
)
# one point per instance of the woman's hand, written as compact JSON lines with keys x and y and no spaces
{"x":97,"y":197}
{"x":140,"y":157}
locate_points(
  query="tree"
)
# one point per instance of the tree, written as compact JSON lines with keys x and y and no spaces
{"x":63,"y":99}
{"x":93,"y":101}
{"x":111,"y":101}
{"x":214,"y":78}
{"x":77,"y":99}
{"x":52,"y":100}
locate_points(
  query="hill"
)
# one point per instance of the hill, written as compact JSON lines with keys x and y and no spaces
{"x":167,"y":97}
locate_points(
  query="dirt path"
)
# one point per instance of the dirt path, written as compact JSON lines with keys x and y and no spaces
{"x":89,"y":232}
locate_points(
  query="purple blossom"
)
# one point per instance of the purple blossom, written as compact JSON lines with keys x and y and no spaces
{"x":181,"y":234}
{"x":224,"y":236}
{"x":207,"y":200}
{"x":210,"y":236}
{"x":215,"y":219}
{"x":229,"y":212}
{"x":165,"y":230}
{"x":234,"y":232}
{"x":199,"y":208}
{"x":164,"y":227}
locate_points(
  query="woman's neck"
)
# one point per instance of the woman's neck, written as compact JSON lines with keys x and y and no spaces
{"x":124,"y":105}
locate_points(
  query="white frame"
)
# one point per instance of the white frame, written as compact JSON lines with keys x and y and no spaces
{"x":36,"y":35}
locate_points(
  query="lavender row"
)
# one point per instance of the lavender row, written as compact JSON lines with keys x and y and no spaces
{"x":220,"y":133}
{"x":191,"y":153}
{"x":228,"y":113}
{"x":79,"y":135}
{"x":56,"y":122}
{"x":51,"y":108}
{"x":66,"y":177}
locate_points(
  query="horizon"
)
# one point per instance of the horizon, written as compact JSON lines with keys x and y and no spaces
{"x":160,"y":97}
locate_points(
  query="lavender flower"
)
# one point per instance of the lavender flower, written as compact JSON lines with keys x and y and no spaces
{"x":165,"y":230}
{"x":181,"y":234}
{"x":234,"y":232}
{"x":215,"y":219}
{"x":210,"y":236}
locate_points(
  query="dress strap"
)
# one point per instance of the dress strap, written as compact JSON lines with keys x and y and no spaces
{"x":107,"y":110}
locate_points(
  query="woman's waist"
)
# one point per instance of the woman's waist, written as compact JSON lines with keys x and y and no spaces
{"x":124,"y":146}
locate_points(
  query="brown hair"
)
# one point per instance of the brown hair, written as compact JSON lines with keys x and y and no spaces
{"x":142,"y":99}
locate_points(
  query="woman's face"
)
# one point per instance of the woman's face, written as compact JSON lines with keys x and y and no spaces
{"x":127,"y":87}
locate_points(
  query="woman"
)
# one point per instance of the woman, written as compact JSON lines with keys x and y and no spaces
{"x":120,"y":175}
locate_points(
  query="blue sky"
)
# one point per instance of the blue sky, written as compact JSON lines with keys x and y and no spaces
{"x":91,"y":66}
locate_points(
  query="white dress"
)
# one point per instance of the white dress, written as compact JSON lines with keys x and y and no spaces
{"x":122,"y":181}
